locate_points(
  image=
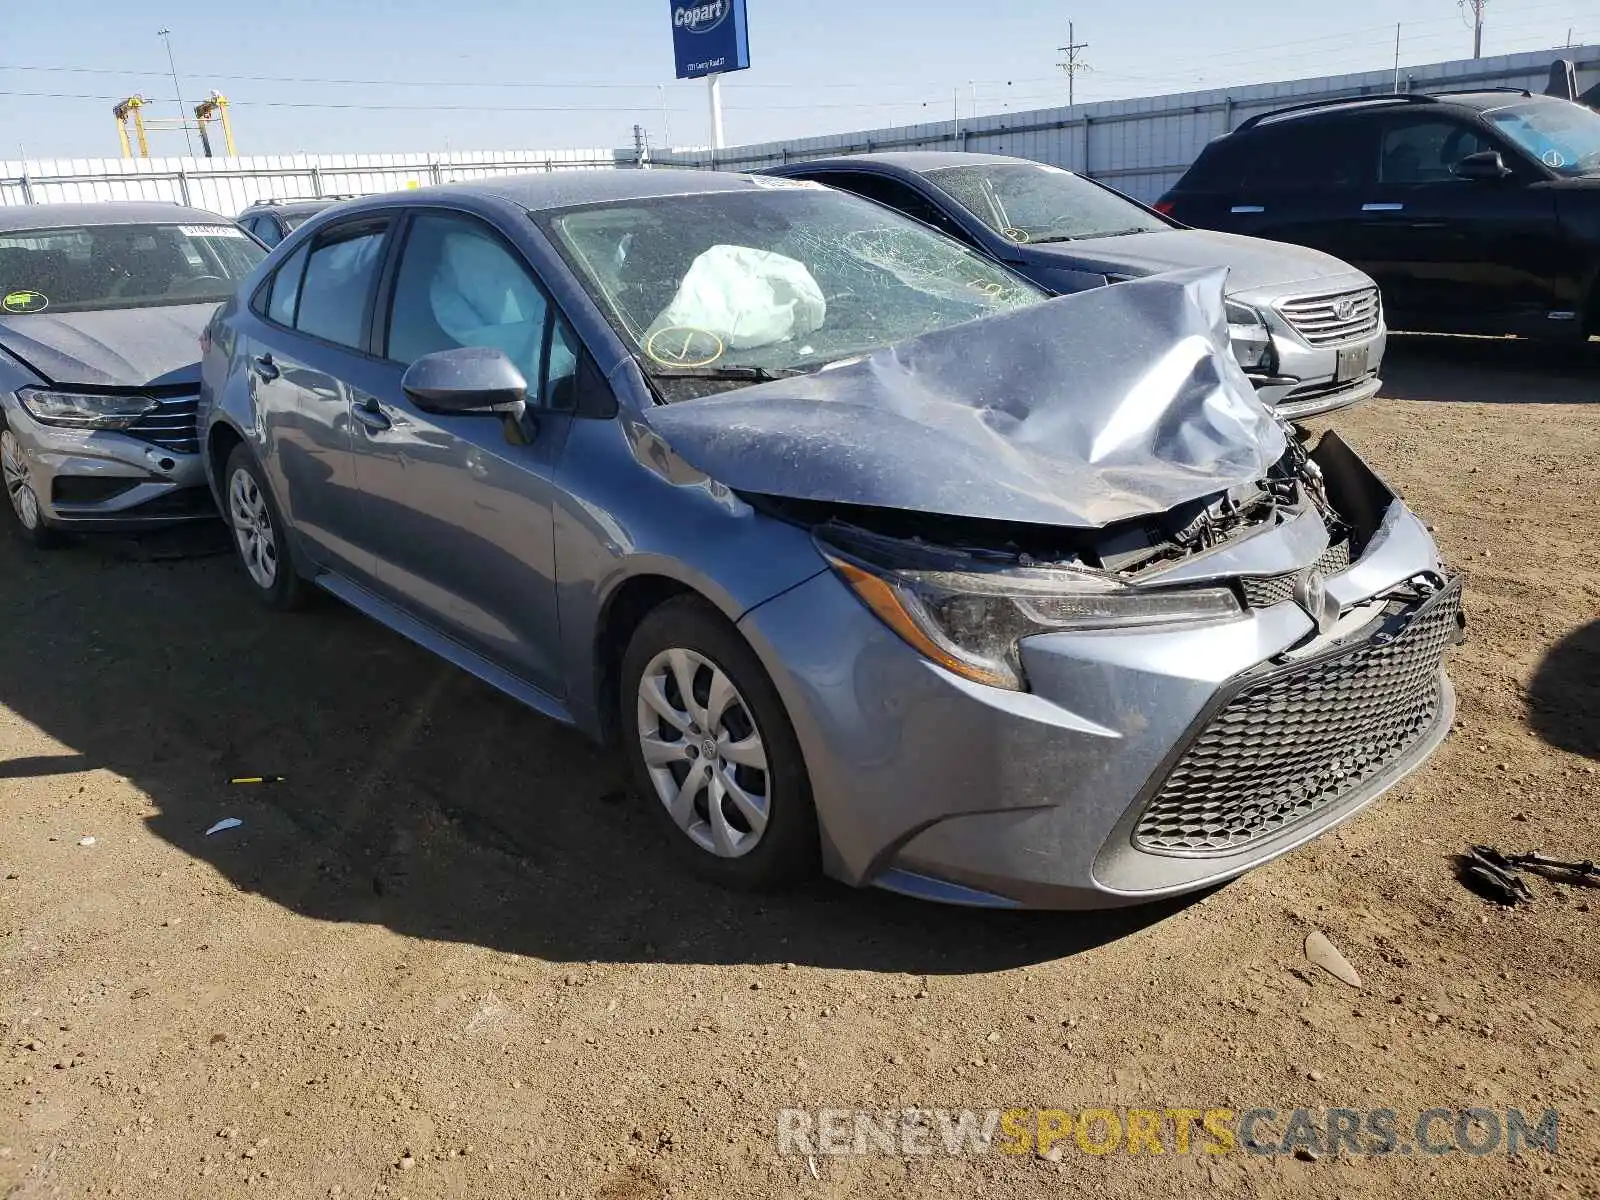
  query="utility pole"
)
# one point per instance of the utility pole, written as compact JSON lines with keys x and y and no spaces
{"x":183,"y":113}
{"x":1397,"y":58}
{"x":1475,"y":9}
{"x":1075,"y":66}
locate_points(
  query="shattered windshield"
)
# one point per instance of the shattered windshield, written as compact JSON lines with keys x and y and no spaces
{"x":1564,"y":137}
{"x":774,"y":280}
{"x":89,"y":267}
{"x":1032,"y":202}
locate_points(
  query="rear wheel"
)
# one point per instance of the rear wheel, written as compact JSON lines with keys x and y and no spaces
{"x":259,"y":535}
{"x":712,"y":750}
{"x":19,"y":490}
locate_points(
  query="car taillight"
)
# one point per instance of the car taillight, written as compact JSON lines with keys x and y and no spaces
{"x":1164,"y":207}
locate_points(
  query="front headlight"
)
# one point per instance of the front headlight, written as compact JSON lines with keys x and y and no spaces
{"x":1252,"y":342}
{"x":84,"y":410}
{"x":969,"y":618}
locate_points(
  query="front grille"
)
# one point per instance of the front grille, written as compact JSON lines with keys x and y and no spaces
{"x":1275,"y":589}
{"x":1287,"y":745}
{"x":173,"y":426}
{"x":1327,"y":320}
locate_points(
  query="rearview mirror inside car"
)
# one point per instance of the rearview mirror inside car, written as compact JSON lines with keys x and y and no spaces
{"x":472,"y":379}
{"x":1485,"y":164}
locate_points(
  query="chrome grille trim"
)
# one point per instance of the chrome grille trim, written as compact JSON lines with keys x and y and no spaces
{"x":1327,"y":320}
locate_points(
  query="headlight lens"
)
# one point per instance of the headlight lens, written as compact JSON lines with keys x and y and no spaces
{"x":84,"y":410}
{"x":970,"y":621}
{"x":1252,"y":343}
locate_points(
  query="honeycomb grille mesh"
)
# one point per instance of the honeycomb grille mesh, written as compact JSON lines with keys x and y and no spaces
{"x":1275,"y":589}
{"x":1290,"y":745}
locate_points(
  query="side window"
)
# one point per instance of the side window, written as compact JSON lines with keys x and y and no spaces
{"x":460,"y":285}
{"x":339,"y":279}
{"x":1423,"y":151}
{"x":266,"y":228}
{"x":285,"y":290}
{"x":1300,"y":156}
{"x":897,"y":196}
{"x":560,"y":389}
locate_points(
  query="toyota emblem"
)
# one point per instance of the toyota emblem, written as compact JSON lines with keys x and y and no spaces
{"x":1344,"y":308}
{"x":1311,"y":594}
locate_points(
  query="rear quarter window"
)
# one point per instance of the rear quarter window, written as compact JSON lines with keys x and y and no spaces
{"x":1220,"y":168}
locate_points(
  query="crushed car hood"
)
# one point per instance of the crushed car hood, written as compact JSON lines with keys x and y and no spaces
{"x":127,"y":347}
{"x":1085,"y":410}
{"x":1251,"y":262}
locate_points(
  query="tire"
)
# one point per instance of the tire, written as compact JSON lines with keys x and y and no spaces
{"x":24,"y":503}
{"x":259,"y":535}
{"x":687,"y":638}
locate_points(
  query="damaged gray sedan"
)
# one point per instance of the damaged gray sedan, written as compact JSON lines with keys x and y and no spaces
{"x":869,"y":556}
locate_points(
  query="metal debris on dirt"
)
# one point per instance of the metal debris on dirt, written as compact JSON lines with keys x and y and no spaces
{"x":1323,"y":953}
{"x":246,"y":779}
{"x":1493,"y":874}
{"x":225,"y":824}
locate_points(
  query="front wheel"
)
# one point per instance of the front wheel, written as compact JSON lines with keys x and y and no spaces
{"x":712,"y":751}
{"x":259,"y":535}
{"x":19,"y":490}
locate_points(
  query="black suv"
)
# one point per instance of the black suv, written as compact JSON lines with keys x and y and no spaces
{"x":1476,"y":212}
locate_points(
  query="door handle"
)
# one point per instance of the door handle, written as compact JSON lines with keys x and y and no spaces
{"x":1248,"y":208}
{"x":1383,"y":208}
{"x":370,"y":415}
{"x":263,"y":366}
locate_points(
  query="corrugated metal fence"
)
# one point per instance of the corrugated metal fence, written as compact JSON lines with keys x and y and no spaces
{"x":226,"y":185}
{"x":1142,"y":146}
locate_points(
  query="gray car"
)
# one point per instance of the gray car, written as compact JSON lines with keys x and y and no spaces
{"x":101,"y":308}
{"x":274,"y":219}
{"x":1306,"y":327}
{"x":869,"y":555}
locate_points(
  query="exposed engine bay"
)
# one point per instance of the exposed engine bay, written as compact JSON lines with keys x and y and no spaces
{"x":1325,"y":477}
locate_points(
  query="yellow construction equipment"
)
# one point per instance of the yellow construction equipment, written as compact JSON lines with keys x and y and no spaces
{"x":130,"y":108}
{"x":214,"y":105}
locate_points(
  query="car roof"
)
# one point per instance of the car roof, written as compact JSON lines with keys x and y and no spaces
{"x":546,"y":190}
{"x":110,"y":212}
{"x":916,"y":161}
{"x":1479,"y":101}
{"x":310,"y":204}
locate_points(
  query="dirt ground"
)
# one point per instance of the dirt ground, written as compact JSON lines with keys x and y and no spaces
{"x":438,"y":962}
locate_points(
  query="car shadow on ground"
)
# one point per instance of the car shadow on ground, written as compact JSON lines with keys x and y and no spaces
{"x":1479,"y":370}
{"x":413,"y":796}
{"x":1564,"y":700}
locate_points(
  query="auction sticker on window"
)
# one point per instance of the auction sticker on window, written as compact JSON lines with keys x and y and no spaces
{"x":24,"y":301}
{"x":212,"y":231}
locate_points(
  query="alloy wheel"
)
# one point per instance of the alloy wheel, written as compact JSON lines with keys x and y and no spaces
{"x":252,"y":528}
{"x":14,"y":470}
{"x":704,"y":753}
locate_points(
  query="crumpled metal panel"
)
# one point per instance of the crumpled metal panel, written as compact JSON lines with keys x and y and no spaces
{"x":1082,"y":411}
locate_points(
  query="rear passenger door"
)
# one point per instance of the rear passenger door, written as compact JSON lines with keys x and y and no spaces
{"x":462,"y":506}
{"x":312,"y":379}
{"x":1301,"y":181}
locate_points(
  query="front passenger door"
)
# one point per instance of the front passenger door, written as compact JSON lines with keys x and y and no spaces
{"x":461,"y":506}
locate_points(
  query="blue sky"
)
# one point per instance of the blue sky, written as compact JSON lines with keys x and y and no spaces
{"x":526,"y":74}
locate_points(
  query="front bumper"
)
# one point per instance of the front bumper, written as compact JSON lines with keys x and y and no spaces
{"x":929,"y":784}
{"x":92,"y":480}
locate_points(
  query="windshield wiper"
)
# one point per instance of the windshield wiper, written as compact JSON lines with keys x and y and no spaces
{"x":745,"y":374}
{"x":1055,"y":237}
{"x":1116,"y":232}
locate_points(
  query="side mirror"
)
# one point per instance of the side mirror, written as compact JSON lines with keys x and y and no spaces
{"x":1485,"y":164}
{"x":471,"y":380}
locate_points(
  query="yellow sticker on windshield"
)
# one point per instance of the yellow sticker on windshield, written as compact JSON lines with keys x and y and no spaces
{"x":24,"y":301}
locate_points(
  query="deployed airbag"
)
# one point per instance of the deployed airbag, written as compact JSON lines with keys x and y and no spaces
{"x":745,"y":297}
{"x":1084,"y":410}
